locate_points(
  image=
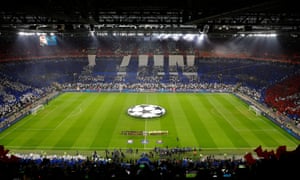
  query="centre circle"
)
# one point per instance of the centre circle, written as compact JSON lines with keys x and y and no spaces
{"x":146,"y":111}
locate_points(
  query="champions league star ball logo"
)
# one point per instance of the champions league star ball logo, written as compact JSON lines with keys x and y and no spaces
{"x":146,"y":111}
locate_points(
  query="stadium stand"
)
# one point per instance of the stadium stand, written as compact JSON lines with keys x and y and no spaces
{"x":266,"y":76}
{"x":278,"y":163}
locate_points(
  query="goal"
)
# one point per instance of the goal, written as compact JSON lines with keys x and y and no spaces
{"x":255,"y":109}
{"x":36,"y":109}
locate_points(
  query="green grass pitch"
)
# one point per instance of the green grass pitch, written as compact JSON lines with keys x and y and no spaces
{"x":94,"y":121}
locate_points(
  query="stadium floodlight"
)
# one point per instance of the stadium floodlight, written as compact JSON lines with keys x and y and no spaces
{"x":205,"y":29}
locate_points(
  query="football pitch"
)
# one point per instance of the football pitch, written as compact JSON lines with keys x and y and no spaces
{"x":214,"y":122}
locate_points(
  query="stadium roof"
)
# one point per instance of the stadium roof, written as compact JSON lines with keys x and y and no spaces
{"x":211,"y":16}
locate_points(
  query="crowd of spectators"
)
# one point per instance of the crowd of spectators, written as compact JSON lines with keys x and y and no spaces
{"x":284,"y":97}
{"x":173,"y":163}
{"x":16,"y":96}
{"x":250,"y":72}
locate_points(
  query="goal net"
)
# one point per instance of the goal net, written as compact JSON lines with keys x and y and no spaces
{"x":36,"y":109}
{"x":255,"y":109}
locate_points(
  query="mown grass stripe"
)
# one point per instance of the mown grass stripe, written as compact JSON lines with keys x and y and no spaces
{"x":182,"y":125}
{"x":224,"y":118}
{"x":67,"y":117}
{"x":194,"y":108}
{"x":96,"y":119}
{"x":200,"y":112}
{"x":153,"y":124}
{"x":252,"y":123}
{"x":90,"y":112}
{"x":122,"y":121}
{"x":111,"y":113}
{"x":72,"y":126}
{"x":168,"y":122}
{"x":216,"y":130}
{"x":34,"y":138}
{"x":260,"y":128}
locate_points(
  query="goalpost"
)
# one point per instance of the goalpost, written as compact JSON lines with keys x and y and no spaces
{"x":36,"y":109}
{"x":255,"y":109}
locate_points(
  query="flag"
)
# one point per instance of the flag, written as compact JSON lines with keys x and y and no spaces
{"x":259,"y":151}
{"x":3,"y":152}
{"x":270,"y":154}
{"x":249,"y":158}
{"x":279,"y":151}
